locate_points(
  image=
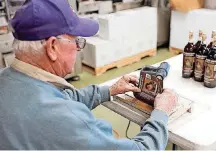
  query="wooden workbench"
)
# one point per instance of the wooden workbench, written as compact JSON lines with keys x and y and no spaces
{"x":196,"y":130}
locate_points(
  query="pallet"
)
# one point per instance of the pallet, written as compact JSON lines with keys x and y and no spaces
{"x":118,"y":64}
{"x":128,"y":100}
{"x":175,"y":51}
{"x":129,"y":5}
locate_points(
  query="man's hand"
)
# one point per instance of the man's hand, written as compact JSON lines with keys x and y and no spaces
{"x":166,"y":101}
{"x":125,"y":84}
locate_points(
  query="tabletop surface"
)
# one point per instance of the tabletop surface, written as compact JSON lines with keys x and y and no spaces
{"x":196,"y":130}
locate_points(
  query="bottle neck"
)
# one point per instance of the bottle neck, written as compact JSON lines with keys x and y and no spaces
{"x":200,"y":39}
{"x":191,"y":40}
{"x":200,"y":36}
{"x":204,"y":42}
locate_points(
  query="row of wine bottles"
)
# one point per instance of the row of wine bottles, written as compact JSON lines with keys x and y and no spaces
{"x":199,"y":59}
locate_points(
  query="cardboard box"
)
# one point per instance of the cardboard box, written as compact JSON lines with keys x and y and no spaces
{"x":122,"y":34}
{"x":99,"y":52}
{"x":128,"y":23}
{"x":182,"y":23}
{"x":6,"y":41}
{"x":88,"y":6}
{"x":186,"y":5}
{"x":179,"y":29}
{"x":110,"y":27}
{"x":105,"y":7}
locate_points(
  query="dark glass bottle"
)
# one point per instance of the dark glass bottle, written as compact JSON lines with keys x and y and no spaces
{"x":210,"y":67}
{"x":210,"y":45}
{"x":200,"y":58}
{"x":188,"y":58}
{"x":151,"y":82}
{"x":199,"y":42}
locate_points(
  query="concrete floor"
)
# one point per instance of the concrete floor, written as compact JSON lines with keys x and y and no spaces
{"x":118,"y":122}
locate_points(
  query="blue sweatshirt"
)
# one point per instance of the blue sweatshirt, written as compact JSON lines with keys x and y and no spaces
{"x":36,"y":115}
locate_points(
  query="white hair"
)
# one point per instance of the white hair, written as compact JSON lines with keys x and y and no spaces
{"x":35,"y":47}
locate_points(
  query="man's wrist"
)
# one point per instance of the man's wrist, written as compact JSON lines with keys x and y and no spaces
{"x":162,"y":109}
{"x":105,"y":94}
{"x":160,"y":115}
{"x":111,"y":91}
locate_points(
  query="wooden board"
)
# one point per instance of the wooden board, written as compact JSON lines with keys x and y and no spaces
{"x":123,"y":62}
{"x":134,"y":103}
{"x":129,"y":5}
{"x":175,"y":50}
{"x":128,"y":100}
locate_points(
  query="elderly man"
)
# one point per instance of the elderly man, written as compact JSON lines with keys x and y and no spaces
{"x":40,"y":110}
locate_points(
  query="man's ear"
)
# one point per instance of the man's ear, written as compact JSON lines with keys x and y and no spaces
{"x":52,"y":48}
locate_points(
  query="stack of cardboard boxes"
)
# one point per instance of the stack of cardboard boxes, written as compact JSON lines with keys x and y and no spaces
{"x":195,"y":20}
{"x":193,"y":15}
{"x":122,"y":34}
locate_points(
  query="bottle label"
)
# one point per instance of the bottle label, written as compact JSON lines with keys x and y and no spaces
{"x":188,"y":63}
{"x":150,"y":84}
{"x":199,"y":66}
{"x":210,"y":72}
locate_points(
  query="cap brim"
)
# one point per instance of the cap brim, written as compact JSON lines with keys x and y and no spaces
{"x":86,"y":28}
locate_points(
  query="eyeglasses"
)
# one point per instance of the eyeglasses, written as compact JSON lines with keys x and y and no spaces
{"x":80,"y":42}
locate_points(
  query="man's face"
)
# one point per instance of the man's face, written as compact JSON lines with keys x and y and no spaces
{"x":62,"y":51}
{"x":67,"y":56}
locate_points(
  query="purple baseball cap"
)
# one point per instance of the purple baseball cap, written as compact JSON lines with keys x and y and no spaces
{"x":41,"y":19}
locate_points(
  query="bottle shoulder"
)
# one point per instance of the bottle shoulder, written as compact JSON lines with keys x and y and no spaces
{"x":198,"y":43}
{"x":212,"y":53}
{"x":212,"y":50}
{"x":210,"y":45}
{"x":203,"y":50}
{"x":189,"y":47}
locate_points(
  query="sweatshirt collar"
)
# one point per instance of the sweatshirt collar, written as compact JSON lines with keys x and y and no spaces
{"x":40,"y":74}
